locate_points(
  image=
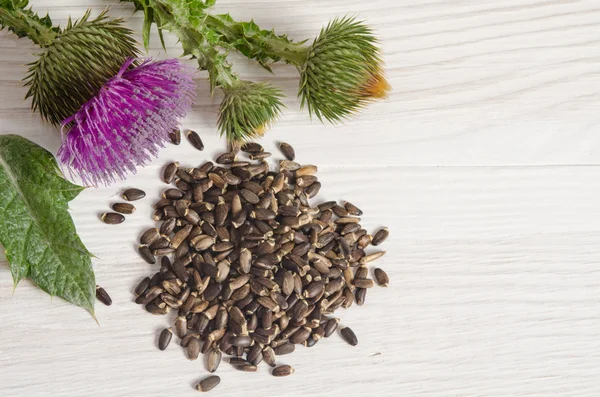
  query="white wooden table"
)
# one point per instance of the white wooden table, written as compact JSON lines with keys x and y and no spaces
{"x":483,"y":163}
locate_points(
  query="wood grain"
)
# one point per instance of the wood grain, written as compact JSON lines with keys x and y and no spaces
{"x":483,"y":163}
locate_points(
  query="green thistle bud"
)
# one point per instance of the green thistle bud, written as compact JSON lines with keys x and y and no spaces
{"x":248,"y":109}
{"x":342,"y":71}
{"x":75,"y":64}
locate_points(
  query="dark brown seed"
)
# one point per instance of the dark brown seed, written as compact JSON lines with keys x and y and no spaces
{"x":193,"y":349}
{"x":352,"y":209}
{"x":180,"y":326}
{"x":226,"y":158}
{"x":252,"y":147}
{"x":123,"y":208}
{"x":250,"y":196}
{"x":149,"y":236}
{"x":363,"y":283}
{"x":195,"y":140}
{"x":175,"y":136}
{"x":381,"y":277}
{"x":287,"y":150}
{"x":259,"y":156}
{"x":349,"y":336}
{"x":103,"y":296}
{"x":162,"y":242}
{"x":112,"y":218}
{"x":313,"y":189}
{"x":339,"y":210}
{"x":286,"y":348}
{"x":380,"y":236}
{"x":255,"y":354}
{"x":242,"y":341}
{"x":165,"y":338}
{"x":282,"y":370}
{"x":237,"y":361}
{"x":213,"y":360}
{"x":142,"y":286}
{"x":168,"y":226}
{"x":173,"y":194}
{"x":146,"y":254}
{"x":361,"y":294}
{"x":207,"y":384}
{"x":331,"y":326}
{"x":169,"y":173}
{"x":301,"y":335}
{"x":133,"y":194}
{"x":269,"y":355}
{"x":246,"y":368}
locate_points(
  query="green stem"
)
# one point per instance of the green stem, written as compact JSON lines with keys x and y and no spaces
{"x":257,"y":43}
{"x":209,"y":57}
{"x":25,"y":23}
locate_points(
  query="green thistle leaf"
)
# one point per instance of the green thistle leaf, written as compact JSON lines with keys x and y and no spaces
{"x":248,"y":109}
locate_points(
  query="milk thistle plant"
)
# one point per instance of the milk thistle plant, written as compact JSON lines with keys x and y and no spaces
{"x":115,"y":111}
{"x":340,"y":71}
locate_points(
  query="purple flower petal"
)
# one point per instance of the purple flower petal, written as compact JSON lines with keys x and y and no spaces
{"x":128,"y":121}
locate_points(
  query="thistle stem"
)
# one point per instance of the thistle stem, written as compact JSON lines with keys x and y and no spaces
{"x":209,"y":57}
{"x":26,"y":23}
{"x":265,"y":42}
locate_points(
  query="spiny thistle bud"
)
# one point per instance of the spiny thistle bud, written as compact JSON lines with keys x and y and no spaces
{"x":248,"y":109}
{"x":75,"y":62}
{"x":127,"y":121}
{"x":342,"y":71}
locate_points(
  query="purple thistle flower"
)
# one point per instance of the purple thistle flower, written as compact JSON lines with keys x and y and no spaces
{"x":128,"y":121}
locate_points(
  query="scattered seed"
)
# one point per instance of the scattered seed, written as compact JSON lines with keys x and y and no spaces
{"x":165,"y":338}
{"x":175,"y":136}
{"x":123,"y":208}
{"x":349,"y":336}
{"x":381,"y":277}
{"x":112,"y":218}
{"x":246,"y":368}
{"x":287,"y":150}
{"x":103,"y":296}
{"x":380,"y":236}
{"x":195,"y":140}
{"x":169,"y":173}
{"x":133,"y":194}
{"x":282,"y":370}
{"x":209,"y":383}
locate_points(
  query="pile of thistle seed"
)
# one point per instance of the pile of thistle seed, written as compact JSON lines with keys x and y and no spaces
{"x":255,"y":269}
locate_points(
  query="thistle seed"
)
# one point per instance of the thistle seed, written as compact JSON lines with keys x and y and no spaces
{"x":169,"y":173}
{"x":380,"y":236}
{"x":349,"y":336}
{"x":146,"y":254}
{"x":165,"y":338}
{"x":352,"y":209}
{"x":195,"y":140}
{"x":246,"y":368}
{"x":382,"y":278}
{"x":175,"y":136}
{"x":213,"y":360}
{"x":259,"y":156}
{"x":103,"y":296}
{"x":112,"y":218}
{"x":142,"y":286}
{"x":133,"y":194}
{"x":286,"y":348}
{"x":207,"y":384}
{"x":123,"y":208}
{"x":193,"y":349}
{"x":149,"y":236}
{"x":282,"y":370}
{"x":252,"y":147}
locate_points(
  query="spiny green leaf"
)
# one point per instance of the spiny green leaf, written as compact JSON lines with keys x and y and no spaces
{"x":35,"y":226}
